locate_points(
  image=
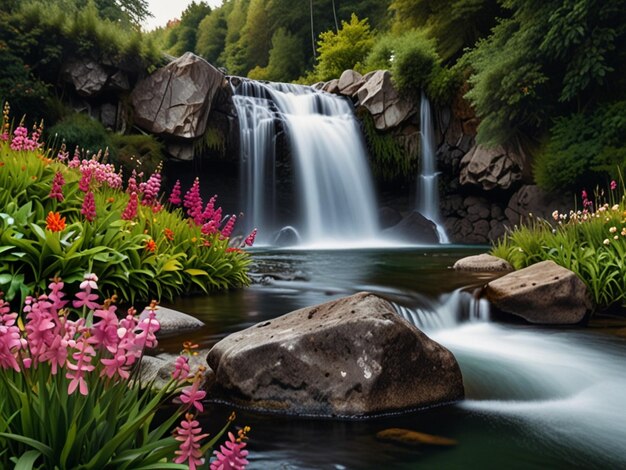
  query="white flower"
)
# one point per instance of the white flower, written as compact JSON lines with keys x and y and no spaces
{"x":606,"y":241}
{"x":613,"y":229}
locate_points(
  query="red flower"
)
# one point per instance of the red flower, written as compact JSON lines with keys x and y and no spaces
{"x":169,"y":234}
{"x":54,"y":222}
{"x":151,"y":246}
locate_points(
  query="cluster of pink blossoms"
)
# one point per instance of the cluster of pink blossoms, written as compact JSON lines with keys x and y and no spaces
{"x":50,"y":337}
{"x":21,"y":141}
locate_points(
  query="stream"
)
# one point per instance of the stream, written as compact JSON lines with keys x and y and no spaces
{"x":536,"y":397}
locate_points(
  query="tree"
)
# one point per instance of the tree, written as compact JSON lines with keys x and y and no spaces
{"x":343,"y":50}
{"x":186,"y":34}
{"x":256,"y":35}
{"x":212,"y":36}
{"x":286,"y":59}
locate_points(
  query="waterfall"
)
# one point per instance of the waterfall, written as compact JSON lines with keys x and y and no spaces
{"x":333,"y":186}
{"x":427,"y":188}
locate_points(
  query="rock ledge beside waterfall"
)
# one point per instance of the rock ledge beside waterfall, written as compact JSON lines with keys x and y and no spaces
{"x":349,"y":357}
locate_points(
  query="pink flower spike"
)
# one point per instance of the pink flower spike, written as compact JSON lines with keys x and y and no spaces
{"x":56,"y":192}
{"x":228,"y":228}
{"x":249,"y":241}
{"x":181,"y":368}
{"x":174,"y":198}
{"x":191,"y":396}
{"x":86,"y":299}
{"x":188,"y":434}
{"x":231,"y":455}
{"x":89,"y":207}
{"x":613,"y":185}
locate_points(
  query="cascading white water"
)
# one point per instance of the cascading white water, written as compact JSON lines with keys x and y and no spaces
{"x":427,"y":188}
{"x":334,"y":186}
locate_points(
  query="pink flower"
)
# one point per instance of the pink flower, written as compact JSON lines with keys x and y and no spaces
{"x":188,"y":433}
{"x":10,"y":338}
{"x":85,"y":179}
{"x":85,"y":297}
{"x":56,"y":192}
{"x":193,"y":203}
{"x":250,"y":238}
{"x":228,"y":228}
{"x":89,"y":207}
{"x":76,"y":371}
{"x":210,"y":208}
{"x":613,"y":185}
{"x":174,"y":198}
{"x":131,"y":208}
{"x":151,"y":190}
{"x":191,"y":396}
{"x":181,"y":368}
{"x":231,"y":455}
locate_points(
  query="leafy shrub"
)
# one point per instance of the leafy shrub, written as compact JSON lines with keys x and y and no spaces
{"x":583,"y":149}
{"x":138,"y":247}
{"x":140,"y":152}
{"x":590,"y":243}
{"x":80,"y":130}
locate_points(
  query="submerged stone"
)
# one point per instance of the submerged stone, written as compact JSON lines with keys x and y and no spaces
{"x":349,"y":357}
{"x":483,"y":262}
{"x":413,"y":438}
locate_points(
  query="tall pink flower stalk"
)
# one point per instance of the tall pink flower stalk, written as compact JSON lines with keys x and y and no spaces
{"x":174,"y":198}
{"x":56,"y":191}
{"x":193,"y":203}
{"x":188,"y":433}
{"x":232,"y":455}
{"x":89,"y":207}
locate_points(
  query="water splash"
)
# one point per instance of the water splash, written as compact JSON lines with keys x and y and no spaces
{"x":333,"y":184}
{"x":427,"y":185}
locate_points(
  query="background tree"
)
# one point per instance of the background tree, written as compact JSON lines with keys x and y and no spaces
{"x":286,"y":59}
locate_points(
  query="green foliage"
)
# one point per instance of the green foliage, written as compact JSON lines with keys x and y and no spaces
{"x":582,"y":149}
{"x":80,"y":130}
{"x":454,"y":24}
{"x":286,"y":59}
{"x":184,"y":38}
{"x":345,"y":49}
{"x":548,"y":59}
{"x":141,"y":152}
{"x":158,"y":254}
{"x":593,"y":245}
{"x":389,"y":160}
{"x":212,"y":36}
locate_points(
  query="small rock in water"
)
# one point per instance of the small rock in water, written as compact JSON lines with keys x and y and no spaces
{"x":413,"y":438}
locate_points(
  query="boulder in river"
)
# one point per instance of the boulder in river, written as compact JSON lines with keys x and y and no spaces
{"x":349,"y":357}
{"x":483,"y":262}
{"x":414,"y":228}
{"x":543,"y":293}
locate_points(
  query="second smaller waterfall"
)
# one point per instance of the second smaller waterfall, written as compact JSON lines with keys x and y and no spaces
{"x":427,"y":202}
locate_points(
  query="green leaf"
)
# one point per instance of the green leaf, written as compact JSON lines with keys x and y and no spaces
{"x":196,"y":272}
{"x":27,"y":460}
{"x":40,"y":446}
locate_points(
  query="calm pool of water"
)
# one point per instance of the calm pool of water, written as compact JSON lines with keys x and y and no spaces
{"x":536,"y":397}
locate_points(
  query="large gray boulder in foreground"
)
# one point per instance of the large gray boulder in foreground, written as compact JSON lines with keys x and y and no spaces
{"x":350,"y":357}
{"x":541,"y":293}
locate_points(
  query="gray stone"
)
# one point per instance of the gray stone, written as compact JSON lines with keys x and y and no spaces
{"x":482,"y":262}
{"x":176,"y":99}
{"x":173,"y":321}
{"x":87,"y":76}
{"x":388,"y":217}
{"x":414,"y":228}
{"x":543,"y":293}
{"x":531,"y":199}
{"x":159,"y":369}
{"x":108,"y":115}
{"x":490,"y":168}
{"x":379,"y":96}
{"x":181,"y":151}
{"x":119,"y":81}
{"x":349,"y":82}
{"x":350,"y":357}
{"x":331,"y":86}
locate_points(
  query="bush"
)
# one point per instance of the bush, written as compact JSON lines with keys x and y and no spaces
{"x":583,"y":149}
{"x":80,"y":130}
{"x":139,"y":248}
{"x":140,"y":152}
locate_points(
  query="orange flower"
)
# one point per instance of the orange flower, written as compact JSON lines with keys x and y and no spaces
{"x":54,"y":222}
{"x":151,"y":246}
{"x":169,"y":234}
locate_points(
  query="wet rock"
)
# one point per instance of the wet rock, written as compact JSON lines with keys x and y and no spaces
{"x":87,"y":76}
{"x":414,"y":228}
{"x":490,"y":168}
{"x":413,"y":438}
{"x":159,"y":369}
{"x":349,"y":82}
{"x":483,"y":262}
{"x":173,"y":321}
{"x":350,"y":357}
{"x":176,"y":99}
{"x":331,"y":86}
{"x":388,"y":217}
{"x":531,"y":199}
{"x":543,"y":293}
{"x":379,"y":96}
